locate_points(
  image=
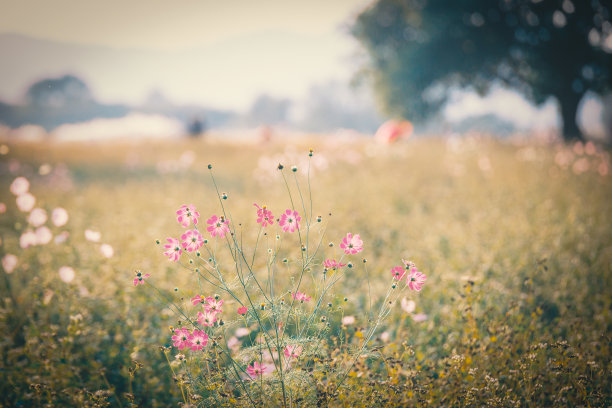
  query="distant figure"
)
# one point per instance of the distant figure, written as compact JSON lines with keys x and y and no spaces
{"x":264,"y":133}
{"x":392,"y":130}
{"x":196,"y":127}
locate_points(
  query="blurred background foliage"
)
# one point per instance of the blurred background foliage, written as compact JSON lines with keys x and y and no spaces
{"x":418,"y":49}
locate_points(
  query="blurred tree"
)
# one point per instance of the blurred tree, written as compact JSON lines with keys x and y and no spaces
{"x":59,"y":92}
{"x":418,"y":48}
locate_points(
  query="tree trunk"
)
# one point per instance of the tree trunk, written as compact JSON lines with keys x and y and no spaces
{"x":569,"y":109}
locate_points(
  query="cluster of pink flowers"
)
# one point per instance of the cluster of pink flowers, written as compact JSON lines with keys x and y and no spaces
{"x":414,"y":278}
{"x":212,"y":309}
{"x":218,"y":226}
{"x":192,"y":240}
{"x":195,"y":340}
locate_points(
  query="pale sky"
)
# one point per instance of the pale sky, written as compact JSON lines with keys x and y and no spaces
{"x":170,"y":25}
{"x":212,"y":52}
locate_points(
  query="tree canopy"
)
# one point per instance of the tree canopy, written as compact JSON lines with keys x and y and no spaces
{"x":418,"y":48}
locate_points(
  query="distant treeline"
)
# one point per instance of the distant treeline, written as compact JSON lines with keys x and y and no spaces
{"x":52,"y":102}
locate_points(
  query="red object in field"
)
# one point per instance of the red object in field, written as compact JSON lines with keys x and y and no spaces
{"x":392,"y":130}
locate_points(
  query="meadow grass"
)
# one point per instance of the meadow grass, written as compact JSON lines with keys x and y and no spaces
{"x":515,"y":241}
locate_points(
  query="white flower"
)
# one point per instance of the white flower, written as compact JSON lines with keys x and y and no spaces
{"x":408,"y":305}
{"x":26,"y":202}
{"x":59,"y":217}
{"x":107,"y":250}
{"x":66,"y":274}
{"x":43,"y":235}
{"x":20,"y":186}
{"x":242,"y":331}
{"x":27,"y":239}
{"x":93,"y":236}
{"x":37,"y":217}
{"x":421,"y":317}
{"x":9,"y":262}
{"x":346,"y":320}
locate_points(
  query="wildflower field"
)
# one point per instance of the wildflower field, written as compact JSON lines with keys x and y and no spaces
{"x":430,"y":272}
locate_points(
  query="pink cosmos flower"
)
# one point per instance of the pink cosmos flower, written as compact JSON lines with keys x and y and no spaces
{"x":213,"y":306}
{"x":416,"y":279}
{"x":332,"y":264}
{"x":398,"y":272}
{"x":217,"y":226}
{"x":59,"y":217}
{"x":256,"y":369}
{"x":173,"y":249}
{"x":290,"y":221}
{"x":198,"y":340}
{"x":2,"y":208}
{"x":139,"y":279}
{"x":192,"y":240}
{"x":409,"y":264}
{"x":185,"y":213}
{"x":197,"y":299}
{"x":20,"y":186}
{"x":207,"y":318}
{"x":301,"y":297}
{"x":352,"y":244}
{"x":242,"y":310}
{"x":293,"y":351}
{"x":181,"y":338}
{"x":264,"y":216}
